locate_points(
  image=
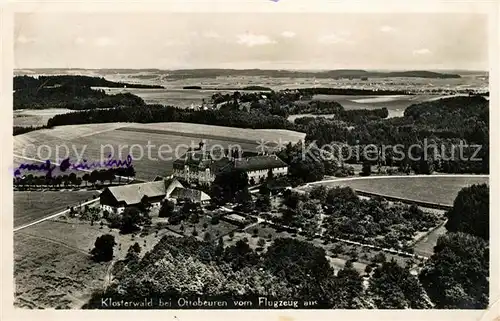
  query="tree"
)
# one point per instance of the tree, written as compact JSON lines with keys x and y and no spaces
{"x":110,"y":175}
{"x":367,"y":169}
{"x":456,"y":276}
{"x":393,"y":287}
{"x":136,"y":248}
{"x":301,"y":264}
{"x":230,"y":184}
{"x":470,"y":213}
{"x":94,"y":177}
{"x":306,"y":170}
{"x":263,"y":203}
{"x":132,"y":256}
{"x":347,"y":290}
{"x":261,"y":243}
{"x":194,"y":218}
{"x":103,"y":248}
{"x":214,"y":220}
{"x":131,"y":218}
{"x":319,"y":193}
{"x":379,"y":258}
{"x":72,"y":178}
{"x":166,"y":209}
{"x":207,"y":237}
{"x":240,"y":255}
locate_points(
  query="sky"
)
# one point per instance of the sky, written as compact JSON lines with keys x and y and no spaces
{"x":307,"y":41}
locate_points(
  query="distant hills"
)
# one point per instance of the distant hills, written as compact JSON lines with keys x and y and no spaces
{"x":212,"y":73}
{"x":340,"y":73}
{"x":27,"y":82}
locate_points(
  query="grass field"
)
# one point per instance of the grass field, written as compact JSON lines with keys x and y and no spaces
{"x":31,"y":206}
{"x":52,"y":266}
{"x":36,"y":117}
{"x":153,"y":149}
{"x":49,"y":274}
{"x":430,"y":188}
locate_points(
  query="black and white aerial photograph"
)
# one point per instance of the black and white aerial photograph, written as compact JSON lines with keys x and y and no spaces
{"x":251,"y":160}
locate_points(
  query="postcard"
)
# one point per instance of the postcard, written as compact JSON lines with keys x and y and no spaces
{"x":266,"y":160}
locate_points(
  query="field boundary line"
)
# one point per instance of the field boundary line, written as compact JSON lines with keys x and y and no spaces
{"x":51,"y":216}
{"x":394,"y":176}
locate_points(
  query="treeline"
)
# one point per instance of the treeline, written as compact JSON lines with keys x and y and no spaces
{"x":71,"y":97}
{"x":316,"y":108}
{"x":110,"y":175}
{"x":349,"y":91}
{"x":18,"y":130}
{"x":28,"y":82}
{"x":159,"y":113}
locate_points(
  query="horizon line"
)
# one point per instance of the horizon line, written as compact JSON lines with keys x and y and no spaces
{"x":262,"y":69}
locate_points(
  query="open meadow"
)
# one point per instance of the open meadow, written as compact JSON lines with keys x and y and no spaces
{"x":53,"y":267}
{"x":431,"y":188}
{"x":36,"y":117}
{"x":153,"y":147}
{"x":31,"y":206}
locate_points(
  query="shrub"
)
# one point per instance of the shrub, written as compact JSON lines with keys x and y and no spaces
{"x":103,"y":248}
{"x":215,"y":220}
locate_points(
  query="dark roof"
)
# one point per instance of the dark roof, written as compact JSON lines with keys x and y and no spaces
{"x":259,"y":163}
{"x":194,"y":158}
{"x":218,"y":165}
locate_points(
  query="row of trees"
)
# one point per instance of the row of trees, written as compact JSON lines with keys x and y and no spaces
{"x":73,"y":180}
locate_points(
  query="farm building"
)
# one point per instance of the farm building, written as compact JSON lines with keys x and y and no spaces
{"x":194,"y":195}
{"x":234,"y":218}
{"x":199,"y":167}
{"x":116,"y":198}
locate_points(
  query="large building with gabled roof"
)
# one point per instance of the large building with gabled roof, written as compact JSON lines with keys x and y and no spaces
{"x":115,"y":199}
{"x":200,"y":167}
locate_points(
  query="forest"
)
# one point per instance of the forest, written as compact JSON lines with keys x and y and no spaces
{"x":29,"y":82}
